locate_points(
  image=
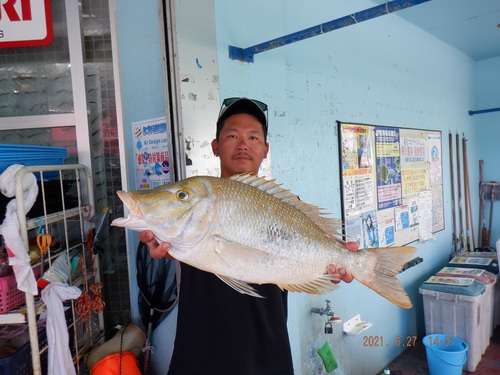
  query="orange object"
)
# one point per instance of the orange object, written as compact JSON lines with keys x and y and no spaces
{"x":123,"y":363}
{"x":43,"y":241}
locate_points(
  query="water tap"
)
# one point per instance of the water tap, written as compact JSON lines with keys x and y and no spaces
{"x":324,"y":311}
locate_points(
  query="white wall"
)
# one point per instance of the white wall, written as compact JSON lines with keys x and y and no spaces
{"x":196,"y":52}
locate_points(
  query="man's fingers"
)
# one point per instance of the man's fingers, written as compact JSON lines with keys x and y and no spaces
{"x":340,"y":273}
{"x":345,"y":276}
{"x":156,"y":250}
{"x":146,"y":236}
{"x":159,"y":251}
{"x":351,"y":246}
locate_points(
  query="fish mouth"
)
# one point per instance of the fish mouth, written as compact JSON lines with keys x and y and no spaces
{"x":130,"y":203}
{"x":135,"y":219}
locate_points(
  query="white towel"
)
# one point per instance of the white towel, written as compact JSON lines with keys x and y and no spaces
{"x":60,"y":358}
{"x":21,"y":261}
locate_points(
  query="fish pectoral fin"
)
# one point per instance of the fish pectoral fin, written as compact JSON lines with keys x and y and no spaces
{"x":322,"y":285}
{"x":240,"y":286}
{"x":234,"y":254}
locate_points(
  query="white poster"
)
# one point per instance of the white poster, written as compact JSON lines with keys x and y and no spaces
{"x":425,"y":215}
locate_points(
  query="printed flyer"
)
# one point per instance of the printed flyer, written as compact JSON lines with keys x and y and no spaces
{"x":151,"y":159}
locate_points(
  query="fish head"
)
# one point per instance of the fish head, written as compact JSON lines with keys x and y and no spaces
{"x":176,"y":212}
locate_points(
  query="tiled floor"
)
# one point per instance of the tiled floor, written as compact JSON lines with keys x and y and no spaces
{"x":413,"y":361}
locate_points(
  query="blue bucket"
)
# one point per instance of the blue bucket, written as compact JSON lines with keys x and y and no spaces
{"x":446,"y":354}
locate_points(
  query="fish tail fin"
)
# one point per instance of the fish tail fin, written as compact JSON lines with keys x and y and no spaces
{"x":381,"y":277}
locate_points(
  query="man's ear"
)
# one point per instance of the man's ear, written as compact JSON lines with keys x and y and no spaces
{"x":215,"y":147}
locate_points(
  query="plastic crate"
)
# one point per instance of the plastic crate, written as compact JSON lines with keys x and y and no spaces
{"x":10,"y":296}
{"x":30,"y":155}
{"x":490,"y":281}
{"x":20,"y":362}
{"x":459,"y":315}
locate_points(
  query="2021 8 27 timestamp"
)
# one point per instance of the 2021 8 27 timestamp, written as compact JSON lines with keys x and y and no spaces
{"x":377,"y":341}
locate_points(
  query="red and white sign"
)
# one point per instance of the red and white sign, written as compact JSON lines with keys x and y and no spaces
{"x":25,"y":23}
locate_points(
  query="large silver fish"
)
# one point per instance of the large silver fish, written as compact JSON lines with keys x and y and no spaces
{"x":250,"y":230}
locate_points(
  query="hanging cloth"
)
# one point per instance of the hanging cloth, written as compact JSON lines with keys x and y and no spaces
{"x":60,"y":358}
{"x":19,"y":257}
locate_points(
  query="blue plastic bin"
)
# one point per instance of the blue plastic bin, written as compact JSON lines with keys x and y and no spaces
{"x":29,"y":155}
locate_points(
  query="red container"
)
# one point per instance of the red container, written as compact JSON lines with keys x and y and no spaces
{"x":123,"y":363}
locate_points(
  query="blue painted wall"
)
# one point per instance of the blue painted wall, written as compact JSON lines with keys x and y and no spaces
{"x":143,"y":94}
{"x":383,"y":72}
{"x":487,"y":128}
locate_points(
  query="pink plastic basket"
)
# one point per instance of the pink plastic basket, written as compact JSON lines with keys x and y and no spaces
{"x":10,"y":296}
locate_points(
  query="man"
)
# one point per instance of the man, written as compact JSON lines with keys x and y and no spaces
{"x":220,"y":331}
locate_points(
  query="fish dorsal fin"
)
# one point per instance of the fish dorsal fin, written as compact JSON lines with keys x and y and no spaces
{"x":329,"y":226}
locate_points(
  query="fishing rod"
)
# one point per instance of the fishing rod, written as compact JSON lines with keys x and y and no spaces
{"x":459,"y":189}
{"x":483,"y":231}
{"x":493,"y":187}
{"x":453,"y":213}
{"x":468,"y":205}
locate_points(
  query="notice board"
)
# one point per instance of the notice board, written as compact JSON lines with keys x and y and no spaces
{"x":392,"y":184}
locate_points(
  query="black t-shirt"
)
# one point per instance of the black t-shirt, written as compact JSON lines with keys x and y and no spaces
{"x":223,"y":332}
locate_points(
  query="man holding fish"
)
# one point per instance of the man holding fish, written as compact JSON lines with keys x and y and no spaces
{"x":242,"y":242}
{"x":219,"y":330}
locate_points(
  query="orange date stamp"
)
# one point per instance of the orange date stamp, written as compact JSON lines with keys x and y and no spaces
{"x":379,"y":341}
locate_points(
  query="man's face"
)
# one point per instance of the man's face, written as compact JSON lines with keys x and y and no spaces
{"x":241,"y":146}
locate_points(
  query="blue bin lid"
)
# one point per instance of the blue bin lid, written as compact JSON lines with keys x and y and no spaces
{"x":475,"y":289}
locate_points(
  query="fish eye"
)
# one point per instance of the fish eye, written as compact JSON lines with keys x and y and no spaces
{"x":182,"y":195}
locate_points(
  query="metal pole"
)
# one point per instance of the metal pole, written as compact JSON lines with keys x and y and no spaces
{"x":247,"y":54}
{"x":478,"y":112}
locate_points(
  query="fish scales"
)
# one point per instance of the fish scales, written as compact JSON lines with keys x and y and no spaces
{"x":266,"y":223}
{"x":250,"y":230}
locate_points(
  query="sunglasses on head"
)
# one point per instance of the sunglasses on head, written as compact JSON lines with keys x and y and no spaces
{"x":228,"y":101}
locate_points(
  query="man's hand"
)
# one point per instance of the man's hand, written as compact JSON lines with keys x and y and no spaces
{"x":342,"y":273}
{"x":156,"y":250}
